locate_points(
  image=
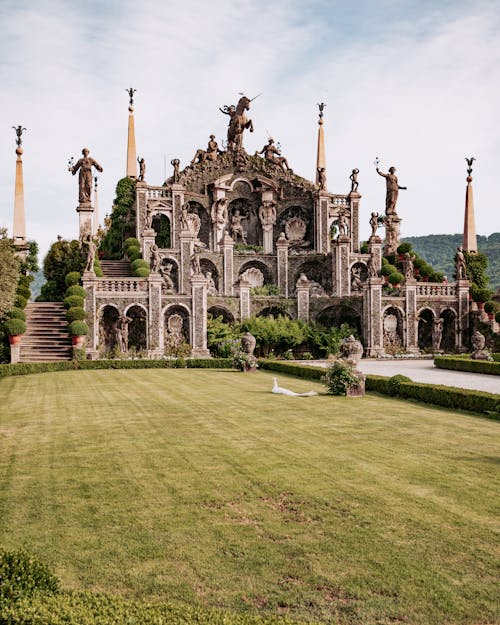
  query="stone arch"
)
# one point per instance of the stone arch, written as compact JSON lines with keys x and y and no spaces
{"x":250,"y":220}
{"x":262,"y":267}
{"x":205,"y":222}
{"x":358,"y":274}
{"x":161,"y":225}
{"x":318,"y":274}
{"x":300,"y":213}
{"x":449,"y":339}
{"x":425,"y":318}
{"x":393,"y":329}
{"x":137,"y":328}
{"x":335,"y":316}
{"x":108,"y":315}
{"x":273,"y":311}
{"x":176,"y":331}
{"x":239,"y":185}
{"x":221,"y":311}
{"x":208,"y":266}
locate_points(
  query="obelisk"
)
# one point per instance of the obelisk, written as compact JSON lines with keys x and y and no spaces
{"x":470,"y":240}
{"x":96,"y":207}
{"x":320,"y":155}
{"x":131,"y":151}
{"x":19,"y":225}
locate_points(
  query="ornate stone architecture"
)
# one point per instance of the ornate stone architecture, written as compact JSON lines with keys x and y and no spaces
{"x":240,"y":221}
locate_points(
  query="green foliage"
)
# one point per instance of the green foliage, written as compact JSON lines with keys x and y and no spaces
{"x":131,"y":242}
{"x":364,"y":248}
{"x":245,"y":247}
{"x":280,"y":333}
{"x":20,"y":302}
{"x":467,"y":364}
{"x":497,"y":316}
{"x":396,"y":277}
{"x":16,"y":313}
{"x":72,"y":278}
{"x":480,"y":294}
{"x":477,"y":265}
{"x":75,"y":314}
{"x":142,"y":272}
{"x":387,"y":269}
{"x":9,"y":273}
{"x":73,"y":300}
{"x":78,"y":328}
{"x":75,"y":289}
{"x":404,"y":248}
{"x":134,"y":252}
{"x":339,"y":378}
{"x":122,"y":225}
{"x":425,"y":270}
{"x":301,"y":371}
{"x":394,"y":383}
{"x":23,"y":291}
{"x":22,"y":576}
{"x":221,"y":337}
{"x":266,"y":289}
{"x":13,"y":327}
{"x":25,"y":280}
{"x":62,"y":258}
{"x":140,"y":262}
{"x":326,"y":341}
{"x":489,"y":306}
{"x":30,"y":264}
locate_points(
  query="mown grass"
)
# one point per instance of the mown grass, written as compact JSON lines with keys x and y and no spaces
{"x":200,"y":486}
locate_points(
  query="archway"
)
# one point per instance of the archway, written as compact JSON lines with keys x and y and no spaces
{"x":176,"y":331}
{"x":161,"y":225}
{"x":296,"y":222}
{"x":137,"y":328}
{"x":425,"y":319}
{"x":335,"y":316}
{"x":261,"y":267}
{"x":393,"y":330}
{"x":220,"y":311}
{"x":107,"y":334}
{"x":205,"y":224}
{"x":318,"y":275}
{"x":209,"y":270}
{"x":273,"y":311}
{"x":169,"y":270}
{"x":243,"y":209}
{"x":359,"y":274}
{"x":449,"y":338}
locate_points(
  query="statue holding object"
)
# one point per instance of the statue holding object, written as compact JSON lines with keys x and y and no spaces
{"x":273,"y":156}
{"x":84,"y":166}
{"x":392,"y":190}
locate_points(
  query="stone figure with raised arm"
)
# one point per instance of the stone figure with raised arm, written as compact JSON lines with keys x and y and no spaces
{"x":354,"y":180}
{"x":374,"y":223}
{"x":142,"y":169}
{"x":437,"y":333}
{"x":321,"y":178}
{"x":392,"y":190}
{"x":236,"y":227}
{"x":155,"y":259}
{"x":84,"y":166}
{"x":273,"y":155}
{"x":219,"y":213}
{"x":343,"y":223}
{"x":166,"y":271}
{"x":91,"y":249}
{"x":267,"y":215}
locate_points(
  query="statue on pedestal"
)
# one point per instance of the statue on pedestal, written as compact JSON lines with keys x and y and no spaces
{"x":321,"y":178}
{"x":142,"y":169}
{"x":375,"y":221}
{"x":273,"y":155}
{"x":175,"y":162}
{"x":219,"y":215}
{"x":460,"y":265}
{"x":437,"y":333}
{"x":354,"y":180}
{"x":236,"y":227}
{"x":84,"y":165}
{"x":121,"y":331}
{"x":392,"y":190}
{"x":155,"y":259}
{"x":91,"y":249}
{"x":267,"y":215}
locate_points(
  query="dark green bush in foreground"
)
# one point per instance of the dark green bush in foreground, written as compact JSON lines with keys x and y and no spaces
{"x":22,"y":576}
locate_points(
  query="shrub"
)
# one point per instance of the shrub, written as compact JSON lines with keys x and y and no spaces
{"x":425,"y":269}
{"x":25,"y":280}
{"x":75,"y":289}
{"x":387,"y":269}
{"x":131,"y":242}
{"x":14,"y":327}
{"x":489,"y":307}
{"x":17,"y":313}
{"x":23,"y":291}
{"x":480,"y":294}
{"x":141,"y":272}
{"x":20,"y":302}
{"x":394,"y":383}
{"x":134,"y":251}
{"x":78,"y":328}
{"x":467,"y":364}
{"x":22,"y":576}
{"x":266,"y":289}
{"x":75,"y":314}
{"x":72,"y":301}
{"x":396,"y":277}
{"x":339,"y":378}
{"x":139,"y":262}
{"x":72,"y":278}
{"x":364,"y":248}
{"x":404,"y":248}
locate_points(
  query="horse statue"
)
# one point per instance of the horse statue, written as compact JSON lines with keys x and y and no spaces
{"x":238,"y":123}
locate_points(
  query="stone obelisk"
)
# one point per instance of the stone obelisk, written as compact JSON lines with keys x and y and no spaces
{"x":96,"y":208}
{"x":320,"y":155}
{"x":131,"y":151}
{"x":470,"y":240}
{"x":19,"y":225}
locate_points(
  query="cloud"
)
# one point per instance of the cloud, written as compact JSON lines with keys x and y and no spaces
{"x":417,"y":89}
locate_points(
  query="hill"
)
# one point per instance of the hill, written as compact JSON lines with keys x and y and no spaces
{"x":439,"y":250}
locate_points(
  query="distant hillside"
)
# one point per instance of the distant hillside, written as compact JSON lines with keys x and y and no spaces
{"x":439,"y":251}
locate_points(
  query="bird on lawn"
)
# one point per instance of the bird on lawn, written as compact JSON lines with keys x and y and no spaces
{"x":278,"y":390}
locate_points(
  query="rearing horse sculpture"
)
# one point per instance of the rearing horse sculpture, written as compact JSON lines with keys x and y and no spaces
{"x":238,"y":123}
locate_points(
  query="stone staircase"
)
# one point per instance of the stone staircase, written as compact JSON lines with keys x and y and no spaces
{"x":46,"y":338}
{"x":116,"y":268}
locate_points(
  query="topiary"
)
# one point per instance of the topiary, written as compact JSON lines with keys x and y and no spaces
{"x":17,"y":313}
{"x":20,"y":302}
{"x":22,"y":575}
{"x":78,"y":328}
{"x":404,"y":248}
{"x":425,"y":269}
{"x":75,"y":314}
{"x":14,"y":327}
{"x":395,"y":382}
{"x":396,"y":277}
{"x":131,"y":241}
{"x":71,"y":278}
{"x":339,"y":378}
{"x":364,"y":248}
{"x":480,"y":294}
{"x":25,"y":280}
{"x":133,"y":252}
{"x":141,"y":272}
{"x":23,"y":291}
{"x":139,"y":262}
{"x":489,"y":306}
{"x":388,"y":269}
{"x":73,"y":300}
{"x":75,"y":289}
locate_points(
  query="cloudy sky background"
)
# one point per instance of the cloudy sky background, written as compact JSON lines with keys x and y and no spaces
{"x":414,"y":82}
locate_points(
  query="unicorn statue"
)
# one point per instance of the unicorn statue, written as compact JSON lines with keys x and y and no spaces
{"x":238,"y":122}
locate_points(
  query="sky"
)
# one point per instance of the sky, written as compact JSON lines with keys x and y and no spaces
{"x":412,"y":82}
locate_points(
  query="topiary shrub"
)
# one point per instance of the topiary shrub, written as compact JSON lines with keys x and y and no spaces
{"x":72,"y":301}
{"x":404,"y":248}
{"x":17,"y":313}
{"x":22,"y":576}
{"x":387,"y":269}
{"x":395,"y":382}
{"x":25,"y":280}
{"x":75,"y":289}
{"x":72,"y":278}
{"x":133,"y":252}
{"x":14,"y":327}
{"x":75,"y":314}
{"x":141,"y":272}
{"x":489,"y":306}
{"x":396,"y":277}
{"x":139,"y":262}
{"x":131,"y":242}
{"x":20,"y":302}
{"x":78,"y":328}
{"x":425,"y":270}
{"x":23,"y":291}
{"x":339,"y":378}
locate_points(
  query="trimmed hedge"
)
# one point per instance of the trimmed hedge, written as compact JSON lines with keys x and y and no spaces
{"x":300,"y":371}
{"x":72,"y":278}
{"x":464,"y":364}
{"x":14,"y":327}
{"x":78,"y":328}
{"x":73,"y":301}
{"x":75,"y":289}
{"x":75,"y":313}
{"x":17,"y":313}
{"x":22,"y":575}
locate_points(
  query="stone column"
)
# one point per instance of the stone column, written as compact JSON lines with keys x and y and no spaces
{"x":155,"y":326}
{"x":187,"y":240}
{"x":244,"y":291}
{"x":141,"y":202}
{"x":177,"y":202}
{"x":148,"y":240}
{"x":375,"y":249}
{"x":282,"y":259}
{"x":227,"y":247}
{"x":89,"y":282}
{"x":392,"y":226}
{"x":341,"y":282}
{"x":462,"y":293}
{"x":372,"y":317}
{"x":19,"y":226}
{"x":302,"y":287}
{"x":411,"y":334}
{"x":85,"y":212}
{"x":322,"y":234}
{"x":354,"y":198}
{"x":199,"y":317}
{"x":131,"y":152}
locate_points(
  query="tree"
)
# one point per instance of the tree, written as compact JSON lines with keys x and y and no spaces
{"x":9,"y":273}
{"x":122,"y":219}
{"x":63,"y":257}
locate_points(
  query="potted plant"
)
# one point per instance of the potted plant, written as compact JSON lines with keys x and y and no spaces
{"x":396,"y":278}
{"x":489,"y":307}
{"x":14,"y":328}
{"x":78,"y":330}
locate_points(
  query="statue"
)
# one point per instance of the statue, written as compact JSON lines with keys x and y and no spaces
{"x":437,"y":333}
{"x":210,"y":154}
{"x":91,"y":249}
{"x":131,"y":92}
{"x":460,"y":265}
{"x":236,"y":227}
{"x":85,"y":165}
{"x":19,"y":134}
{"x":211,"y":288}
{"x":267,"y":215}
{"x":175,"y":162}
{"x":469,"y":164}
{"x":121,"y":332}
{"x":148,"y":222}
{"x":374,"y":223}
{"x":342,"y":223}
{"x":184,"y":217}
{"x":219,"y":215}
{"x":354,"y":180}
{"x":155,"y":259}
{"x":273,"y":155}
{"x":142,"y":169}
{"x":408,"y":266}
{"x":372,"y":267}
{"x":238,"y":123}
{"x":195,"y":258}
{"x":392,"y":190}
{"x":321,"y":178}
{"x":356,"y":282}
{"x":479,"y":351}
{"x":165,"y":272}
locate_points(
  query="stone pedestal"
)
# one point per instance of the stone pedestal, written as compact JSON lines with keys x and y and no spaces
{"x":411,"y":334}
{"x":187,"y":240}
{"x":462,"y":291}
{"x":15,"y":353}
{"x":375,"y":249}
{"x":244,"y":292}
{"x":372,"y":317}
{"x":392,"y":226}
{"x":199,"y":317}
{"x":177,"y":202}
{"x":341,"y":282}
{"x":86,"y":219}
{"x":302,"y":288}
{"x":148,"y":240}
{"x":227,"y":248}
{"x":155,"y":326}
{"x":322,"y":233}
{"x":354,"y":198}
{"x":359,"y":390}
{"x":89,"y":283}
{"x":282,"y":260}
{"x":267,"y":240}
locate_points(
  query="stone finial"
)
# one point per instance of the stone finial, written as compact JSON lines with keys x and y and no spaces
{"x":19,"y":138}
{"x":321,"y":107}
{"x":131,"y":92}
{"x":320,"y":154}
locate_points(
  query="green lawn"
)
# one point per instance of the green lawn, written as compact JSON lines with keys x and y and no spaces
{"x":201,"y":486}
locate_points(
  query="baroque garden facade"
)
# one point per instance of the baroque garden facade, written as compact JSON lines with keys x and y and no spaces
{"x":231,"y":223}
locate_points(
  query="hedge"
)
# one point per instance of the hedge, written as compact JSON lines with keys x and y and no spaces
{"x":300,"y":371}
{"x":75,"y":289}
{"x":462,"y":364}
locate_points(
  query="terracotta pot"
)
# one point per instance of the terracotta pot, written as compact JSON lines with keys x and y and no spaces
{"x":15,"y":340}
{"x":77,"y":341}
{"x":480,"y":306}
{"x":491,"y":316}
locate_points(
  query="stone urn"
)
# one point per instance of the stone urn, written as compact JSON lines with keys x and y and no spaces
{"x":479,"y":351}
{"x":351,"y":350}
{"x":248,"y":342}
